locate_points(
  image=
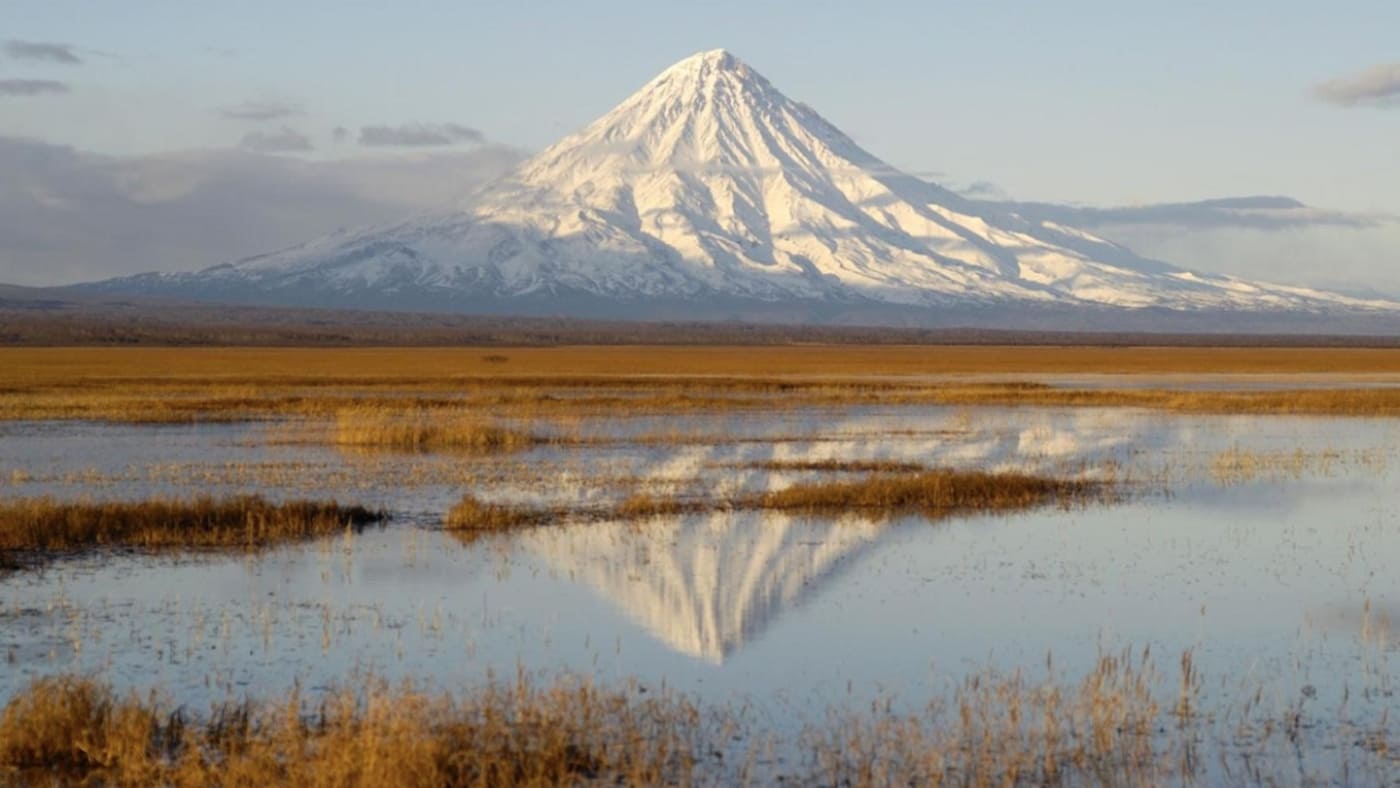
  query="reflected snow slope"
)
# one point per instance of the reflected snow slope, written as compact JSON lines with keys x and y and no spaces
{"x":706,"y":585}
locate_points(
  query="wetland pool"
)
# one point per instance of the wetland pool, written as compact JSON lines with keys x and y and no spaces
{"x":1267,"y":546}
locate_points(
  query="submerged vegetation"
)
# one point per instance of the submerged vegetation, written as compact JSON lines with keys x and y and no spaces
{"x":991,"y":729}
{"x":35,"y":527}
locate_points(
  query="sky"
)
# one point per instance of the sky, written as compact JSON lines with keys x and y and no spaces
{"x":113,"y":112}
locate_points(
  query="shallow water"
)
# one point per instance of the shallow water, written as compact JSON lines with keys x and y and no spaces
{"x":1267,"y":545}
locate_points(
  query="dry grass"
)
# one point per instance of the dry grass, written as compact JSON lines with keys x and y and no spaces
{"x":796,"y":361}
{"x":36,"y":527}
{"x":420,"y":429}
{"x":640,"y":506}
{"x":472,"y":515}
{"x":1107,"y":728}
{"x":933,"y":493}
{"x":1000,"y":729}
{"x":832,"y":466}
{"x":65,"y":731}
{"x":160,"y":385}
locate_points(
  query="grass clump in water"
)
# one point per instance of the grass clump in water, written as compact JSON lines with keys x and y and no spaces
{"x":833,"y":466}
{"x":42,"y":525}
{"x":933,"y":493}
{"x":471,"y":514}
{"x":421,"y":429}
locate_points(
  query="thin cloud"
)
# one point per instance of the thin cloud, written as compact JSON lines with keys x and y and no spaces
{"x":31,"y":87}
{"x":42,"y":50}
{"x":984,"y":190}
{"x":1257,"y":213}
{"x":1378,"y":86}
{"x":340,"y":134}
{"x":262,"y":110}
{"x":419,"y":135}
{"x":284,"y":140}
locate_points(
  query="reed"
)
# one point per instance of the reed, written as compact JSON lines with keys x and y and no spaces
{"x":832,"y":466}
{"x":1106,"y":727}
{"x":935,"y":493}
{"x":470,"y":514}
{"x":35,"y":527}
{"x":70,"y":730}
{"x":421,"y":429}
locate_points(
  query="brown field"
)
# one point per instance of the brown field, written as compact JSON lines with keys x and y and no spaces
{"x":39,"y":528}
{"x":232,"y":384}
{"x":39,"y":366}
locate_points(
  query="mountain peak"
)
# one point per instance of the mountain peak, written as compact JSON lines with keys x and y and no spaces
{"x":709,"y":110}
{"x":713,"y":59}
{"x":707,"y":186}
{"x":703,"y":71}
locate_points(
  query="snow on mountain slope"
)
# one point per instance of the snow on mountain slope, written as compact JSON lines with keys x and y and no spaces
{"x":710,"y":182}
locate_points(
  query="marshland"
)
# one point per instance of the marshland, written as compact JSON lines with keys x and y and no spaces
{"x":830,"y":564}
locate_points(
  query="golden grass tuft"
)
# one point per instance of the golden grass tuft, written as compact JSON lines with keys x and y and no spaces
{"x":422,"y":429}
{"x":933,"y":493}
{"x":471,"y":514}
{"x":41,"y":525}
{"x":833,"y":466}
{"x":640,"y":506}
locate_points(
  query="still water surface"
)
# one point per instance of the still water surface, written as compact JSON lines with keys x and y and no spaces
{"x":1268,"y":545}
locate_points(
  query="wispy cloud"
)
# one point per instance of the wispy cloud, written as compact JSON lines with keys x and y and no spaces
{"x":984,"y":190}
{"x":31,"y":87}
{"x":419,"y":135}
{"x":68,"y":215}
{"x":1378,"y":86}
{"x":43,"y":50}
{"x":262,"y":110}
{"x":283,"y":140}
{"x":1257,"y":213}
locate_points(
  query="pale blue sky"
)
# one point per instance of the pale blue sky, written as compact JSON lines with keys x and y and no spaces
{"x":1102,"y":102}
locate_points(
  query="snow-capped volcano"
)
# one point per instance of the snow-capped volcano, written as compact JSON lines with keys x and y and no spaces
{"x":709,"y":186}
